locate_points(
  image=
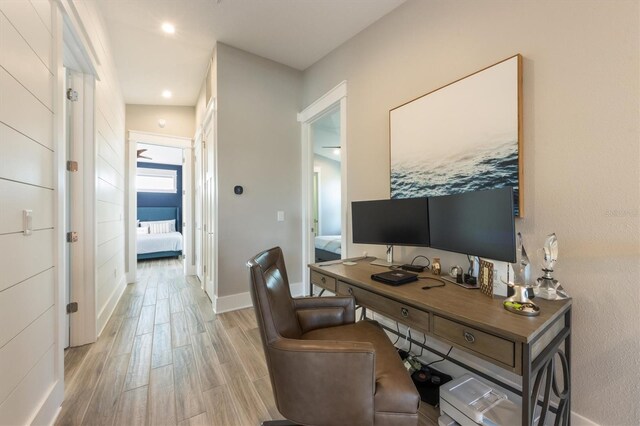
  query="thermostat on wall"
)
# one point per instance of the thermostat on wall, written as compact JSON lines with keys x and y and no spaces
{"x":238,"y":189}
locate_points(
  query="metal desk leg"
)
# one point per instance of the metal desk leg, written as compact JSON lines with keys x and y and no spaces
{"x":527,"y":410}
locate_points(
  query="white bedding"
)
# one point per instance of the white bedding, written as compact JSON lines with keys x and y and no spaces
{"x":153,"y":243}
{"x":330,"y":243}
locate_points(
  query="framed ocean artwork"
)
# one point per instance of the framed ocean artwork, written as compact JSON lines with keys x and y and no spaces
{"x":465,"y":136}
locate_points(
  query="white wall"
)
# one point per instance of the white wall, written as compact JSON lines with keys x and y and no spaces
{"x":258,"y":148}
{"x":581,"y":150}
{"x":30,"y":364}
{"x":110,"y":168}
{"x":329,"y":196}
{"x":180,"y":120}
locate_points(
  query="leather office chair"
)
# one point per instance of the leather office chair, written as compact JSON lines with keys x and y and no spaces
{"x":325,"y":368}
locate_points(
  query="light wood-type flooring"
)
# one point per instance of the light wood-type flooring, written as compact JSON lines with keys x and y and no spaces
{"x":164,"y":358}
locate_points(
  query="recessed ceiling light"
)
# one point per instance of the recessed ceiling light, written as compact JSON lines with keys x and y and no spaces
{"x":166,"y":94}
{"x":168,"y":28}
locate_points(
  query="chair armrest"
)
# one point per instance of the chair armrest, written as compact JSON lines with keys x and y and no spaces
{"x":307,"y":373}
{"x":322,"y":312}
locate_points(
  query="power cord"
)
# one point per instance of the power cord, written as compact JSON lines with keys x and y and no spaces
{"x":440,"y":360}
{"x":424,"y":257}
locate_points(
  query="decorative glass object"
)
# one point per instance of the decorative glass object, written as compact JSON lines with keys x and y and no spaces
{"x":520,"y":303}
{"x":548,"y":287}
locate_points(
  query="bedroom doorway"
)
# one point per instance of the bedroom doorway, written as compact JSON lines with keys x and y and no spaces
{"x":160,"y":195}
{"x":324,"y":173}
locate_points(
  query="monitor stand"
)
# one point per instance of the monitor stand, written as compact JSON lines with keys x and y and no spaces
{"x":382,"y":262}
{"x":389,"y":262}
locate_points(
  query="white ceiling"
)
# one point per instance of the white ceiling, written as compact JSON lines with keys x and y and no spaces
{"x":293,"y":32}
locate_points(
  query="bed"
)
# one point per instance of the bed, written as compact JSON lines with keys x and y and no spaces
{"x":328,"y":247}
{"x":163,"y":244}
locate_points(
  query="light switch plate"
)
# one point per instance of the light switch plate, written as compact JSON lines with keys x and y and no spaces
{"x":280,"y":216}
{"x":27,"y":222}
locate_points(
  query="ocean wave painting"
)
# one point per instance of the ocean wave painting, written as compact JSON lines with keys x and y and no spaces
{"x":461,"y":138}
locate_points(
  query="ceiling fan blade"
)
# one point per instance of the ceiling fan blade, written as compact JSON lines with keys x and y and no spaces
{"x":144,"y":156}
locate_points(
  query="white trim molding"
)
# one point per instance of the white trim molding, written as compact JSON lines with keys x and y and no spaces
{"x":321,"y":104}
{"x":232,"y":302}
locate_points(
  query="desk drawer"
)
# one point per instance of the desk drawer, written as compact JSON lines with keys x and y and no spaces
{"x":405,"y":314}
{"x":324,"y":281}
{"x":490,"y":346}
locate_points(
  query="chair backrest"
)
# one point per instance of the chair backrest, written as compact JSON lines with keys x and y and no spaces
{"x":272,"y":297}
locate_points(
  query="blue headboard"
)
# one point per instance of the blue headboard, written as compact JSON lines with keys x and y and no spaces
{"x":146,"y":214}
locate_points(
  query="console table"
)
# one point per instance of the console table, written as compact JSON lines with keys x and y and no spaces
{"x":474,"y":323}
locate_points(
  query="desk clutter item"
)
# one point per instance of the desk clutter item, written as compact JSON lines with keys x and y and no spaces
{"x":436,"y":268}
{"x":547,"y":287}
{"x":395,"y":277}
{"x":471,"y":402}
{"x":426,"y":379}
{"x":486,"y":278}
{"x":526,"y":309}
{"x":521,"y":284}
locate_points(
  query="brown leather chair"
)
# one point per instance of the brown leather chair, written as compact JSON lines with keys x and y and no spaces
{"x":325,"y":368}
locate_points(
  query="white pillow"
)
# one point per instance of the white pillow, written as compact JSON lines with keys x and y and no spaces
{"x":172,"y":225}
{"x":159,"y":228}
{"x":143,"y":230}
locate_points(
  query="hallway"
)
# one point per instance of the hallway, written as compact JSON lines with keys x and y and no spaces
{"x":165,"y":359}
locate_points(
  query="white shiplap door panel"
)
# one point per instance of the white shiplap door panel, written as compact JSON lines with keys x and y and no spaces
{"x":109,"y":174}
{"x":109,"y":249}
{"x":107,"y":231}
{"x":22,"y":304}
{"x":31,"y":27}
{"x":17,"y":197}
{"x":15,"y":361}
{"x":109,"y":193}
{"x":24,"y":256}
{"x":22,"y":111}
{"x":108,"y":212}
{"x":106,"y":131}
{"x":31,"y":393}
{"x":22,"y":63}
{"x":43,"y":8}
{"x":18,"y":150}
{"x":108,"y":277}
{"x":106,"y":152}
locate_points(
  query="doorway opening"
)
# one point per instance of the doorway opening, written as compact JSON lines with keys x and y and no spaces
{"x":325,"y":224}
{"x":159,"y":213}
{"x":326,"y":189}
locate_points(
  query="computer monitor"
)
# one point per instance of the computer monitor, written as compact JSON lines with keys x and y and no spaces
{"x":479,"y":223}
{"x":402,"y":222}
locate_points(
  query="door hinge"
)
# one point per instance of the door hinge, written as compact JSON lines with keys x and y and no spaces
{"x":204,"y":268}
{"x":72,"y":237}
{"x":72,"y":95}
{"x":72,"y":307}
{"x":72,"y":166}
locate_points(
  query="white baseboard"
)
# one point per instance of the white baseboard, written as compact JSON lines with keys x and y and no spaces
{"x":237,"y":301}
{"x":51,"y":406}
{"x":297,"y":289}
{"x":232,"y":302}
{"x":578,"y":420}
{"x":107,"y":310}
{"x":131,"y":277}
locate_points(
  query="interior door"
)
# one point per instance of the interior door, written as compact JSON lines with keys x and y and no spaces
{"x":209,"y":208}
{"x":199,"y":206}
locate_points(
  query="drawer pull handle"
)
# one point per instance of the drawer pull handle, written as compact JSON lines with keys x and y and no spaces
{"x":404,"y":312}
{"x":323,"y":279}
{"x":350,"y":290}
{"x":469,"y":337}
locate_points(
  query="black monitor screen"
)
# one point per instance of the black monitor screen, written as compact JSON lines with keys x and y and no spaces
{"x":403,"y":222}
{"x":479,"y":223}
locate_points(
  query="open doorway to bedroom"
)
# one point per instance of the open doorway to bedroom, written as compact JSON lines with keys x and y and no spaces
{"x":159,"y":212}
{"x":159,"y":196}
{"x":327,"y":183}
{"x":325,"y":221}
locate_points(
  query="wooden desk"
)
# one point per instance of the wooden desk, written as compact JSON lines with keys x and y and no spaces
{"x":474,"y":323}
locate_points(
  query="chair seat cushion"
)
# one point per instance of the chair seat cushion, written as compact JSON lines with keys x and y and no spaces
{"x":395,"y":391}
